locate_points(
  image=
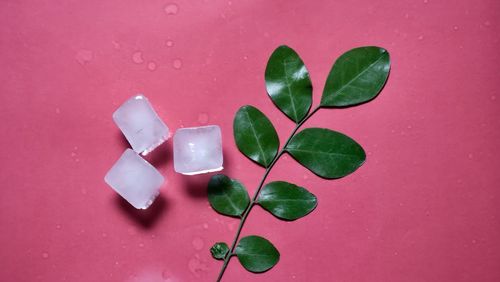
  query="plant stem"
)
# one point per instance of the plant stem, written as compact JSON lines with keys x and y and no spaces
{"x":257,"y":192}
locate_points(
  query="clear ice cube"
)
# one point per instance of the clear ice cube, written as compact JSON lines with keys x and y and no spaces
{"x":140,"y":124}
{"x":198,"y":150}
{"x":135,"y":179}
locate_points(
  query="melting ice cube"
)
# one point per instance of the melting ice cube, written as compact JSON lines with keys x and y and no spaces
{"x":198,"y":150}
{"x":135,"y":180}
{"x":140,"y":124}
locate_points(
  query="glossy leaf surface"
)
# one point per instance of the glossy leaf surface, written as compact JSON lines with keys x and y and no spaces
{"x":325,"y":152}
{"x":256,"y":254}
{"x":286,"y":200}
{"x":255,"y":135}
{"x":288,"y":83}
{"x":227,"y":196}
{"x":356,"y":77}
{"x":219,"y":250}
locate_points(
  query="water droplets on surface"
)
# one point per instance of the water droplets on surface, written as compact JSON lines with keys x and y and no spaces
{"x":420,"y":37}
{"x":84,"y":191}
{"x":137,"y":57}
{"x":58,"y":111}
{"x":58,"y":226}
{"x":141,"y":245}
{"x":151,"y":66}
{"x":169,"y":43}
{"x":455,"y":27}
{"x":195,"y":266}
{"x":84,"y":56}
{"x":493,"y":98}
{"x":205,"y":225}
{"x":116,"y":45}
{"x":203,"y":118}
{"x":45,"y":255}
{"x":426,"y":1}
{"x":197,"y":243}
{"x":177,"y":64}
{"x":245,"y":58}
{"x":171,"y":9}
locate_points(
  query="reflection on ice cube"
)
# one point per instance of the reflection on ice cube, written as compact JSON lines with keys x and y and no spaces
{"x":135,"y":180}
{"x":140,"y":124}
{"x":198,"y":150}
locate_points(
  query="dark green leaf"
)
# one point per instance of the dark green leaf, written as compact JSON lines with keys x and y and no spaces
{"x":356,"y":77}
{"x":227,"y":196}
{"x":286,"y":200}
{"x":325,"y":152}
{"x":288,"y":83}
{"x":256,"y":254}
{"x":219,"y":250}
{"x":255,"y":135}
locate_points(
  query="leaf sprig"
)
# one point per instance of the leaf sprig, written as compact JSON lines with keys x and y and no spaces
{"x":355,"y":78}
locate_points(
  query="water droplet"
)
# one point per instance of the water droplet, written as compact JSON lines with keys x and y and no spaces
{"x":205,"y":225}
{"x":177,"y":64}
{"x":141,"y":245}
{"x":487,"y":23}
{"x":151,"y":66}
{"x":104,"y":235}
{"x":455,"y":28}
{"x":305,"y":176}
{"x":196,"y":266}
{"x":229,"y":3}
{"x":58,"y":111}
{"x":245,"y":58}
{"x":45,"y":255}
{"x":73,"y":154}
{"x":203,"y":118}
{"x":116,"y":45}
{"x":84,"y":191}
{"x":84,"y":56}
{"x":407,"y":16}
{"x":470,"y":156}
{"x":169,"y":43}
{"x":420,"y":37}
{"x":197,"y":243}
{"x":493,"y":98}
{"x":137,"y":57}
{"x":409,"y":127}
{"x":171,"y":9}
{"x":58,"y":226}
{"x":426,"y":1}
{"x":166,"y":275}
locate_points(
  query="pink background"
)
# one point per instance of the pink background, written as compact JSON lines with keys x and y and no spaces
{"x":424,"y":207}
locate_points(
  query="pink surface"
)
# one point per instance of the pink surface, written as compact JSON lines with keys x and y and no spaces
{"x":425,"y":206}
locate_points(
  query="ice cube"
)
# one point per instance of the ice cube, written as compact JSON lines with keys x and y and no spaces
{"x":135,"y":179}
{"x":140,"y":124}
{"x":198,"y":150}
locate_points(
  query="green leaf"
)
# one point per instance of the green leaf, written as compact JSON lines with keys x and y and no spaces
{"x":219,"y":250}
{"x":255,"y":135}
{"x":356,"y":77}
{"x":325,"y":152}
{"x":286,"y":200}
{"x":227,"y":196}
{"x":288,"y":83}
{"x":256,"y":254}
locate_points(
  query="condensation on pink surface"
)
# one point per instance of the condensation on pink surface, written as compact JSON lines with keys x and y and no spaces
{"x":424,"y":207}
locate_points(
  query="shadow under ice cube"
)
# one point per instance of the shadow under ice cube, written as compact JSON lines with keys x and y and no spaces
{"x":135,"y":180}
{"x":198,"y":150}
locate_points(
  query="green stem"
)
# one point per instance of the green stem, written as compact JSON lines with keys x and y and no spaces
{"x":257,"y":192}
